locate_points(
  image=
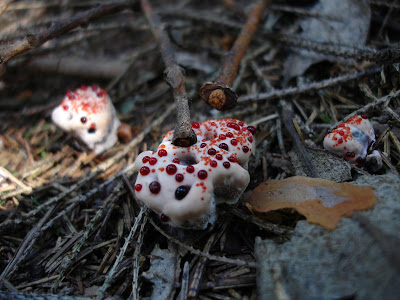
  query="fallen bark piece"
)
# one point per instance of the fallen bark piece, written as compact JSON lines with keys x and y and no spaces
{"x":359,"y":260}
{"x":321,"y":201}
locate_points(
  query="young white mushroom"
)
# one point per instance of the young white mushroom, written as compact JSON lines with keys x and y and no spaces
{"x":352,"y":140}
{"x":184,"y":185}
{"x":88,"y":114}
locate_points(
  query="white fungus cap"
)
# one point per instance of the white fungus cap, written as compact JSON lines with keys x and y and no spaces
{"x":351,"y":140}
{"x":88,"y":114}
{"x":184,"y":184}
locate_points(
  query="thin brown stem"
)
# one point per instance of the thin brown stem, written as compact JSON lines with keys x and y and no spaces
{"x":219,"y":95}
{"x":184,"y":135}
{"x":32,"y":41}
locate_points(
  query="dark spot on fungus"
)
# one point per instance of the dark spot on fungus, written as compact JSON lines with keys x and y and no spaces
{"x":181,"y":191}
{"x":224,"y":146}
{"x":164,"y":218}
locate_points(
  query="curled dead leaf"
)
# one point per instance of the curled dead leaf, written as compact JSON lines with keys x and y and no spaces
{"x":321,"y":201}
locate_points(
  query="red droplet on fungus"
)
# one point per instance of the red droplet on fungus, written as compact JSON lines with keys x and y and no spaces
{"x":226,"y":164}
{"x":190,"y":169}
{"x":179,"y":177}
{"x":364,"y":116}
{"x":233,"y":126}
{"x":138,"y":187}
{"x":176,"y":160}
{"x":70,"y":95}
{"x":202,"y":174}
{"x":144,"y":170}
{"x":171,"y":169}
{"x":250,"y":139}
{"x":196,"y":125}
{"x":212,"y":151}
{"x":202,"y":145}
{"x":145,"y":159}
{"x":229,"y":134}
{"x":222,"y":136}
{"x":152,"y":161}
{"x":162,"y":152}
{"x":234,"y":142}
{"x":252,"y":129}
{"x":219,"y":156}
{"x":213,"y":164}
{"x":245,"y":149}
{"x":232,"y":159}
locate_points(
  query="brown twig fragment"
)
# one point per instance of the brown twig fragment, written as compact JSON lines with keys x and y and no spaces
{"x":184,"y":135}
{"x":32,"y":41}
{"x":220,"y":95}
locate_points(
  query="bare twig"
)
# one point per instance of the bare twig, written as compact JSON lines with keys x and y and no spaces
{"x":366,"y":107}
{"x":219,"y":95}
{"x":110,"y":275}
{"x":184,"y":135}
{"x":28,"y":242}
{"x":78,"y":66}
{"x":136,"y":261}
{"x":200,"y":267}
{"x":223,"y":259}
{"x":32,"y":41}
{"x":70,"y":259}
{"x":274,"y":228}
{"x":308,"y":87}
{"x":382,"y":56}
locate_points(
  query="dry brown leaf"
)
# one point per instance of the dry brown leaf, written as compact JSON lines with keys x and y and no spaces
{"x":321,"y":201}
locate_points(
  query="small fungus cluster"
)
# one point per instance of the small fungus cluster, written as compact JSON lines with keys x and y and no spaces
{"x":88,"y":114}
{"x":183,"y":185}
{"x":352,"y":140}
